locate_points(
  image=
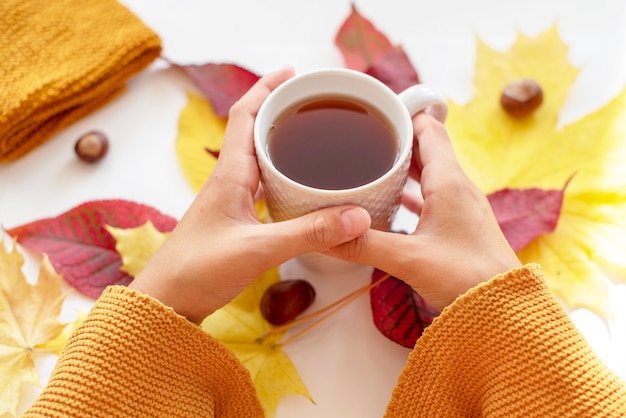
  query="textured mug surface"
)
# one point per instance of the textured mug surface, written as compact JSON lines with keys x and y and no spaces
{"x":287,"y":199}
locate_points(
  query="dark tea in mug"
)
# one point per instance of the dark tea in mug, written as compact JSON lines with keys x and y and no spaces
{"x":332,"y":142}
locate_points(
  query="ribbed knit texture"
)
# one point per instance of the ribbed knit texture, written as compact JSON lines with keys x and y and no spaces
{"x":59,"y":61}
{"x":134,"y":357}
{"x":505,"y":349}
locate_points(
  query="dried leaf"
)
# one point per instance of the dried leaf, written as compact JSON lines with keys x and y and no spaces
{"x":499,"y":152}
{"x":525,"y":214}
{"x":395,"y":70}
{"x":238,"y":326}
{"x":361,"y":44}
{"x":368,"y":50}
{"x":79,"y":246}
{"x":137,"y":245}
{"x":199,"y":129}
{"x":399,"y":312}
{"x":28,"y":320}
{"x":222,"y":84}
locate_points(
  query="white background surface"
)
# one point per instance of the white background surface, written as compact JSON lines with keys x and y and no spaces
{"x":349,"y":368}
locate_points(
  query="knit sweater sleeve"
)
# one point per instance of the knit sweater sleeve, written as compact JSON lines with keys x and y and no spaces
{"x":506,"y":349}
{"x":135,"y":357}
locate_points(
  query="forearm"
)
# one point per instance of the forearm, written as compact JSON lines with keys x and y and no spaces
{"x":134,"y":357}
{"x":506,"y":348}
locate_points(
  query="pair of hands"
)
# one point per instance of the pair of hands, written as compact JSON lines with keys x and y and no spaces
{"x":219,"y":246}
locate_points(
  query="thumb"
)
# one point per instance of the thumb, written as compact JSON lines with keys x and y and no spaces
{"x":380,"y":249}
{"x":318,"y":231}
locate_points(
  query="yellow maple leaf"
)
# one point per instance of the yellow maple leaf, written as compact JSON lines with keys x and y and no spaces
{"x":499,"y":151}
{"x":136,"y":245}
{"x":28,"y":320}
{"x":199,"y":128}
{"x":238,"y":326}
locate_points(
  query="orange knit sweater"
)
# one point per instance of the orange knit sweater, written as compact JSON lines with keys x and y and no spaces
{"x":504,"y":349}
{"x":61,"y":60}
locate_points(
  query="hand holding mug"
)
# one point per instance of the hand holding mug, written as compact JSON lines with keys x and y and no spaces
{"x":338,"y":136}
{"x":219,"y":246}
{"x":457,"y":243}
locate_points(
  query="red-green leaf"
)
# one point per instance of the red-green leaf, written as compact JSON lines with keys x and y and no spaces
{"x":399,"y":313}
{"x":222,"y":84}
{"x":395,"y":70}
{"x":524,"y":214}
{"x":360,"y":42}
{"x":80,"y":248}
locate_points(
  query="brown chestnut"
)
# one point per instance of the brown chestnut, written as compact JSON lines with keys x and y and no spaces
{"x":521,"y":97}
{"x":283,"y":301}
{"x":92,"y":146}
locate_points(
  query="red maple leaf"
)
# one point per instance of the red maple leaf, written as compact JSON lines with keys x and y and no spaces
{"x":81,"y":249}
{"x":524,"y":214}
{"x":395,"y":70}
{"x":366,"y":49}
{"x":222,"y":84}
{"x":360,"y":42}
{"x":399,"y":312}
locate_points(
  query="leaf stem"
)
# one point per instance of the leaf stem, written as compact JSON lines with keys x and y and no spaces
{"x":326,"y":312}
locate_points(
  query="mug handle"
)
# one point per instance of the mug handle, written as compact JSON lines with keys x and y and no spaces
{"x":423,"y":97}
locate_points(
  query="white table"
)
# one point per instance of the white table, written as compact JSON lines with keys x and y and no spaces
{"x":349,"y":368}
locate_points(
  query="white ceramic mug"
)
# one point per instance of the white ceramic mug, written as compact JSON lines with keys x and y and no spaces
{"x":288,"y":199}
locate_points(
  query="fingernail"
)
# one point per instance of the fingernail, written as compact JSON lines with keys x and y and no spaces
{"x":355,"y":221}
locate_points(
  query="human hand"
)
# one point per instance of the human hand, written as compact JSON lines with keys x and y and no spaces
{"x":457,"y":243}
{"x":219,"y":246}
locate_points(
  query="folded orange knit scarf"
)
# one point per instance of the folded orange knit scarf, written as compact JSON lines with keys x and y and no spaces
{"x":59,"y":61}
